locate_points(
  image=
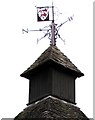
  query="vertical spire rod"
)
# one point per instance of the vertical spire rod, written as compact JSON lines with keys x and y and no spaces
{"x":53,"y":27}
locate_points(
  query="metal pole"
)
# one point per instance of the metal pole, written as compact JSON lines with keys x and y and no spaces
{"x":53,"y":27}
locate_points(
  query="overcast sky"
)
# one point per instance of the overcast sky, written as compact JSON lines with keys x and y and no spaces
{"x":18,"y":51}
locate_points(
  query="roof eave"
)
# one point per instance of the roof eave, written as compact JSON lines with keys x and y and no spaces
{"x":49,"y":61}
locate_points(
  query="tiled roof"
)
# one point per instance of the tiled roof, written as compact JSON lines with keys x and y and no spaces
{"x":55,"y":55}
{"x":52,"y":108}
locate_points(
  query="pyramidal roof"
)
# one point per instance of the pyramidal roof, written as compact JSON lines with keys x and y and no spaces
{"x":53,"y":54}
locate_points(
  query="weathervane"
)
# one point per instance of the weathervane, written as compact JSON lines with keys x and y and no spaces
{"x":52,"y":29}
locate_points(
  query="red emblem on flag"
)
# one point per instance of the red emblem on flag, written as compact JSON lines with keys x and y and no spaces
{"x":43,"y":14}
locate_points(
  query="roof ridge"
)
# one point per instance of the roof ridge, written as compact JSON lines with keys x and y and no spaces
{"x":52,"y":97}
